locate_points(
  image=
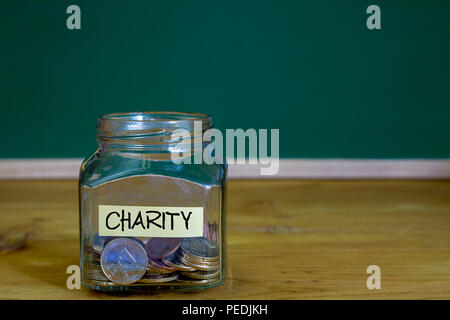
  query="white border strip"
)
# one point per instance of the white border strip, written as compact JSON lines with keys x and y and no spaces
{"x":351,"y":169}
{"x":11,"y":169}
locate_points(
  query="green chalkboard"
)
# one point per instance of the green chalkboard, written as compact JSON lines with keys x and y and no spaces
{"x":313,"y":69}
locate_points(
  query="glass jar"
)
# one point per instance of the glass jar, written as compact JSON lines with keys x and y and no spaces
{"x":148,"y":221}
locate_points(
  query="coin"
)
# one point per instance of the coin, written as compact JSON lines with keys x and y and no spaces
{"x":197,"y":260}
{"x":156,"y":271}
{"x":158,"y":248}
{"x":98,"y":243}
{"x":174,"y":262}
{"x":90,"y":250}
{"x":157,"y":263}
{"x":158,"y":278}
{"x":93,"y":271}
{"x":201,"y":274}
{"x":150,"y":273}
{"x":196,"y":266}
{"x":158,"y":267}
{"x":95,"y":277}
{"x":201,"y":248}
{"x":124,"y":261}
{"x":189,"y":281}
{"x":92,"y":266}
{"x":210,"y":231}
{"x":94,"y":274}
{"x":111,"y":238}
{"x":100,"y":283}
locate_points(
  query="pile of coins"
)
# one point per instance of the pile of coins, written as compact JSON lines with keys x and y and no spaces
{"x":129,"y":261}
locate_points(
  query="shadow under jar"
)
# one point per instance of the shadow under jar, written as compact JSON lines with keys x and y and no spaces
{"x":147,"y":221}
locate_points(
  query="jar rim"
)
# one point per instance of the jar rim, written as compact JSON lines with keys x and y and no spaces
{"x":150,"y":130}
{"x":139,"y":123}
{"x":154,"y":116}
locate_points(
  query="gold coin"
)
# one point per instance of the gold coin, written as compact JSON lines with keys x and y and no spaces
{"x":94,"y":273}
{"x":174,"y":262}
{"x":201,"y":262}
{"x":201,"y":274}
{"x":95,"y":277}
{"x":196,"y":266}
{"x":100,"y":283}
{"x":91,"y":266}
{"x":188,"y":281}
{"x":158,"y":278}
{"x":154,"y":270}
{"x":195,"y":257}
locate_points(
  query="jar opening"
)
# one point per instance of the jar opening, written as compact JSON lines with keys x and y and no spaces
{"x":147,"y":130}
{"x":155,"y":116}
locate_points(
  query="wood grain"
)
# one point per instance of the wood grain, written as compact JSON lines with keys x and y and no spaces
{"x":286,"y":240}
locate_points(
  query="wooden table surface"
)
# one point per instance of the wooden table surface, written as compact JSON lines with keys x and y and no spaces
{"x":286,"y":240}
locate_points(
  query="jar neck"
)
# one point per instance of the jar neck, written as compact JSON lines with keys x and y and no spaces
{"x":152,"y":132}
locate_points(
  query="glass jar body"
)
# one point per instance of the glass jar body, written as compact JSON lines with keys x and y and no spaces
{"x":155,"y":206}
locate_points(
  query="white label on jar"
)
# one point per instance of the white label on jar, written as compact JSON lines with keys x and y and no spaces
{"x":138,"y":221}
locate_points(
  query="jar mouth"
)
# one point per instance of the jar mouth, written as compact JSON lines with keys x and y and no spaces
{"x":155,"y":116}
{"x":149,"y":130}
{"x":153,"y":122}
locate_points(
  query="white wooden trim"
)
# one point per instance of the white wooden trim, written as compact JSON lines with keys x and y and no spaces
{"x":39,"y":168}
{"x":351,"y":169}
{"x":288,"y":168}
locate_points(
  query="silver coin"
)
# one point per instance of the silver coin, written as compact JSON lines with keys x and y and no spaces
{"x":124,"y":261}
{"x":111,"y":238}
{"x":198,"y":266}
{"x":195,"y":260}
{"x":201,"y":248}
{"x":158,"y":278}
{"x":174,"y":262}
{"x":201,"y":274}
